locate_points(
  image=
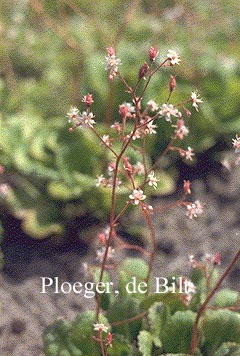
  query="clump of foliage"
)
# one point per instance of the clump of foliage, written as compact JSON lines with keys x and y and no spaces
{"x":138,"y":313}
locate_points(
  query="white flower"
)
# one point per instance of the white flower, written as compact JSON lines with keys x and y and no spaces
{"x":173,"y":56}
{"x":112,"y":63}
{"x":181,"y":129}
{"x":152,"y":180}
{"x":168,"y":110}
{"x":86,"y":119}
{"x":106,"y":140}
{"x":72,"y":114}
{"x":139,"y":168}
{"x":110,"y":182}
{"x":150,"y":128}
{"x":101,"y":253}
{"x":194,"y":209}
{"x":189,"y":154}
{"x":152,"y":105}
{"x":101,"y":180}
{"x":137,"y":195}
{"x":100,"y":327}
{"x":236,"y":144}
{"x":195,"y":100}
{"x":137,"y":134}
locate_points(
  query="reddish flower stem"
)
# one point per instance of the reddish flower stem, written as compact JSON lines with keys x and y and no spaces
{"x":203,"y":307}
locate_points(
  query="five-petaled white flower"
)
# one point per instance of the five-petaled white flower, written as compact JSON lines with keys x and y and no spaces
{"x":152,"y":105}
{"x":153,"y":180}
{"x":194,"y":209}
{"x":100,"y":327}
{"x":151,"y":128}
{"x":72,"y":114}
{"x":188,"y":154}
{"x":137,"y":196}
{"x":106,"y":140}
{"x":86,"y":119}
{"x":195,"y":100}
{"x":173,"y":56}
{"x":236,"y":144}
{"x":168,"y":110}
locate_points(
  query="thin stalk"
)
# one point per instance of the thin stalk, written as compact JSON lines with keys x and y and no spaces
{"x":201,"y":310}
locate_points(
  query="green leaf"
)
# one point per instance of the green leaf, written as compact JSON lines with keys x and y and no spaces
{"x":81,"y":332}
{"x":120,"y":347}
{"x":220,"y":326}
{"x":170,"y":299}
{"x":178,"y":332}
{"x":125,"y":308}
{"x":39,"y":223}
{"x":132,"y":270}
{"x":56,"y":340}
{"x":62,"y":191}
{"x":226,"y":297}
{"x":228,"y":349}
{"x":158,"y":316}
{"x":166,"y":185}
{"x":145,"y":343}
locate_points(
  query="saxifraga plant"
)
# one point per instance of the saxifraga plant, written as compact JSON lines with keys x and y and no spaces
{"x":189,"y":317}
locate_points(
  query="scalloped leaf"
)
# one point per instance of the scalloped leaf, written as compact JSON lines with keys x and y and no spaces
{"x":81,"y":332}
{"x":226,"y":297}
{"x":158,"y":316}
{"x":177,"y":334}
{"x":145,"y":343}
{"x":170,"y":299}
{"x":120,"y":346}
{"x":228,"y":349}
{"x":40,"y":223}
{"x":56,"y":340}
{"x":62,"y":191}
{"x":122,"y":309}
{"x":220,"y":326}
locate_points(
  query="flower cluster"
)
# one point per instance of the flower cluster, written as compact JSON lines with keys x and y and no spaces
{"x":138,"y":121}
{"x":112,"y":63}
{"x":194,"y":209}
{"x":84,"y":119}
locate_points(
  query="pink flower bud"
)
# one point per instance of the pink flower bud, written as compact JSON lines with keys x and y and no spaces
{"x":217,"y":259}
{"x":172,"y":83}
{"x":186,"y":187}
{"x":109,"y":339}
{"x":123,"y":110}
{"x":143,"y":71}
{"x":102,"y":238}
{"x":88,"y":99}
{"x":111,"y":51}
{"x":187,"y":112}
{"x":127,"y":165}
{"x":153,"y":53}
